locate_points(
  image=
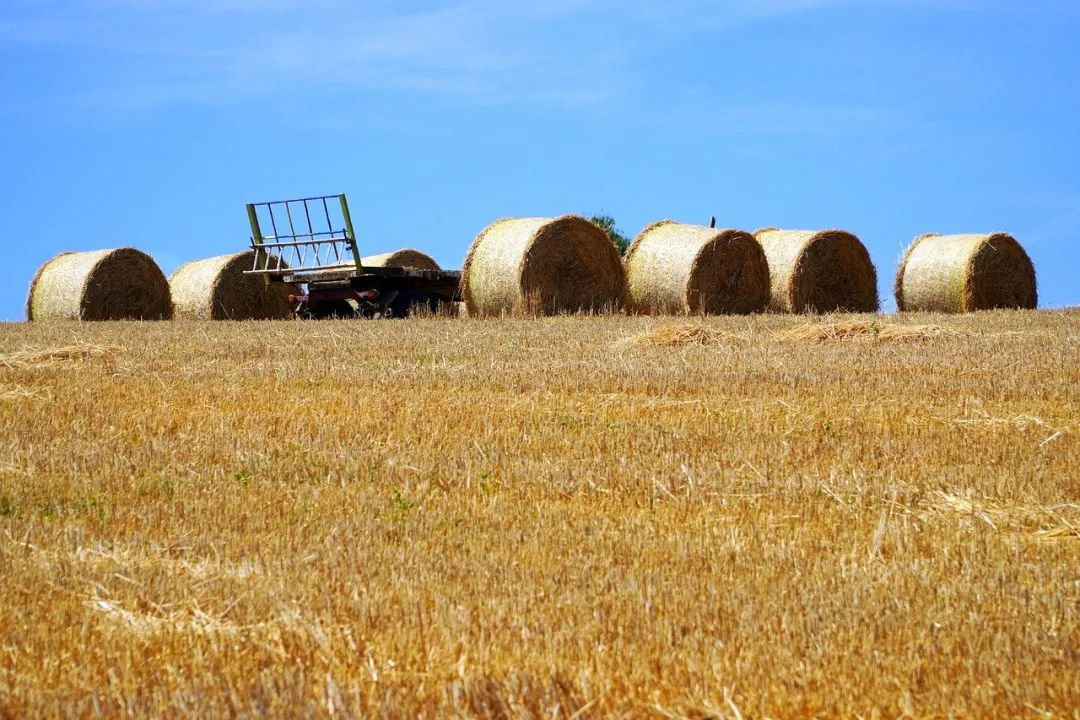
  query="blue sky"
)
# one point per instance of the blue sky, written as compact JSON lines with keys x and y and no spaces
{"x":151,"y":122}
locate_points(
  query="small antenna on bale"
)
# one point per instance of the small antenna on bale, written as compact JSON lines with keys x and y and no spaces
{"x":712,"y":223}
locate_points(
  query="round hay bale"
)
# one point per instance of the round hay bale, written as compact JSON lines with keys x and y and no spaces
{"x":962,"y":273}
{"x":818,"y":271}
{"x":673,"y":268}
{"x":542,"y":266}
{"x":405,"y":258}
{"x":217,"y":289}
{"x":121,"y":284}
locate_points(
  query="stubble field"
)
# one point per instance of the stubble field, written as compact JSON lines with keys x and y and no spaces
{"x":573,"y":517}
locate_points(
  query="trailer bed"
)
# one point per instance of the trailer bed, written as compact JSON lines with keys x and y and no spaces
{"x":349,"y":273}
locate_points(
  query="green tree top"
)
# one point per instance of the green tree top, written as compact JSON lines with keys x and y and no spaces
{"x":608,"y":224}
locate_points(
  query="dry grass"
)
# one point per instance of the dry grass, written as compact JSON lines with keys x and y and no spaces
{"x":48,"y":356}
{"x":518,"y":518}
{"x":679,"y":334}
{"x":873,"y":330}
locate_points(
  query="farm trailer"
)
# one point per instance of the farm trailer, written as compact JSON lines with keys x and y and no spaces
{"x":319,"y":251}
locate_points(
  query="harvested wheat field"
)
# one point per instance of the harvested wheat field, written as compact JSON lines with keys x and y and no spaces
{"x":736,"y":517}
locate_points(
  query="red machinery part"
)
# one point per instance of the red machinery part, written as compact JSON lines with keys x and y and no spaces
{"x":319,"y":295}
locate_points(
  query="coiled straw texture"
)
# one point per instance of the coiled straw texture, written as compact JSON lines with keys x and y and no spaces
{"x":963,"y":273}
{"x":542,"y":266}
{"x":120,"y":284}
{"x":818,"y":271}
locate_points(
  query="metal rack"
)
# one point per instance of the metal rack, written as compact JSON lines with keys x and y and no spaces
{"x":321,"y":247}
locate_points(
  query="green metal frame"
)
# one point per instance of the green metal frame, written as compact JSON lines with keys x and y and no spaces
{"x":257,"y":238}
{"x":349,"y":231}
{"x":262,"y":260}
